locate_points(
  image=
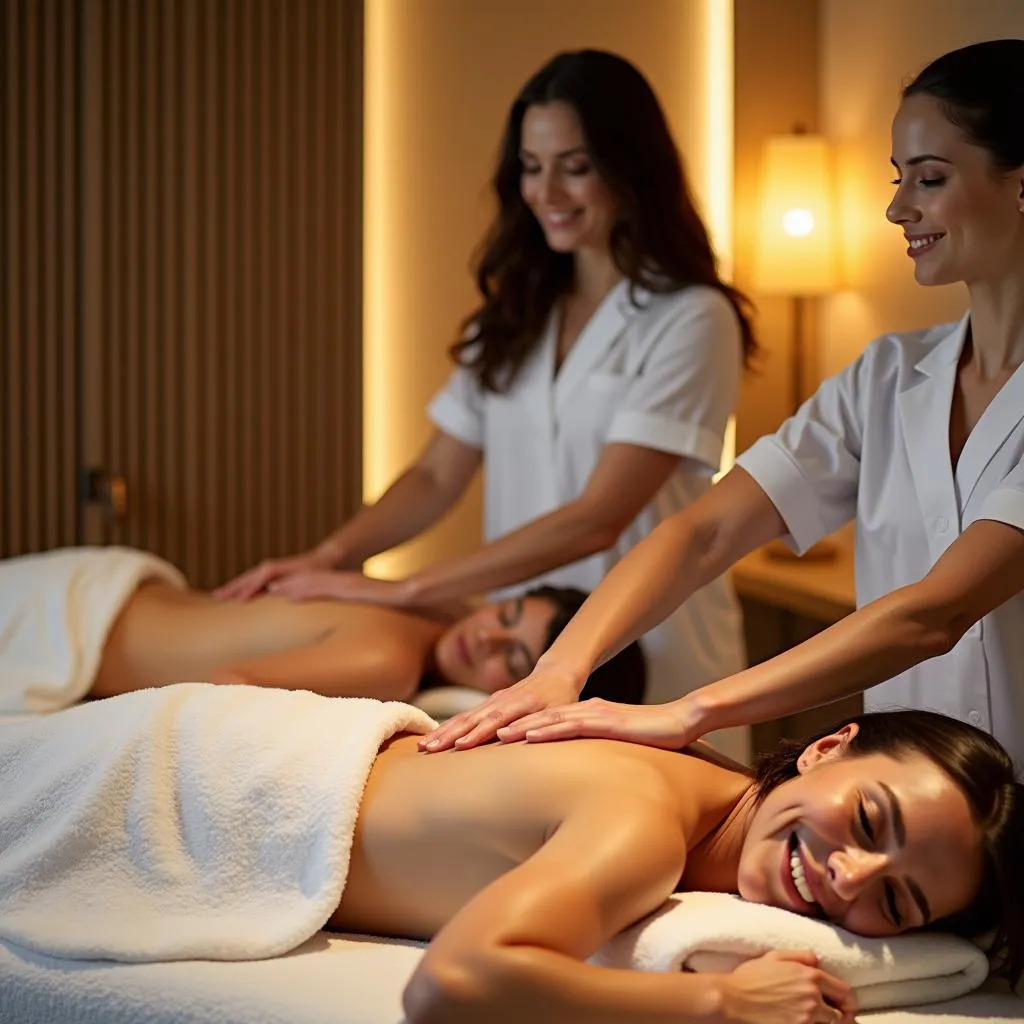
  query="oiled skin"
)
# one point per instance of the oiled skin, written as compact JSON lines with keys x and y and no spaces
{"x":165,"y":635}
{"x":434,"y":830}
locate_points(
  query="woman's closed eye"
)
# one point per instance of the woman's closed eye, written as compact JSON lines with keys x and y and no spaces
{"x":923,"y":182}
{"x":866,"y":827}
{"x":870,"y":833}
{"x":892,"y":905}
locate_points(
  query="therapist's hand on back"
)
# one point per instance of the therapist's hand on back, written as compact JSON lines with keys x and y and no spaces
{"x":544,"y":707}
{"x":259,"y":578}
{"x":542,"y":689}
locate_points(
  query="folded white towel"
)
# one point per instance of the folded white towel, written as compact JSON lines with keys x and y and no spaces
{"x":56,"y":611}
{"x":188,"y":822}
{"x":710,"y":931}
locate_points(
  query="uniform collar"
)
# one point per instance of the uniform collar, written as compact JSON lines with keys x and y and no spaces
{"x":946,"y":342}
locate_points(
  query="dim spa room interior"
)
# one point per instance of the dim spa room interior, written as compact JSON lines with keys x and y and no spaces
{"x":289,"y":506}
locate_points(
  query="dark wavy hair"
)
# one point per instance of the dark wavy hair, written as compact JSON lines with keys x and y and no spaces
{"x":981,"y":90}
{"x":659,"y":242}
{"x":622,"y":679}
{"x":983,"y":771}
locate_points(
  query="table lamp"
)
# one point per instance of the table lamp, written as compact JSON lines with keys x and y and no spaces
{"x":795,"y":254}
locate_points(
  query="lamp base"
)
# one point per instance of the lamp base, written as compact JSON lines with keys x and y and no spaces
{"x":824,"y":551}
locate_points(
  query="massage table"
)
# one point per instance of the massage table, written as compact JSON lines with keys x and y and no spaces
{"x":330,"y":979}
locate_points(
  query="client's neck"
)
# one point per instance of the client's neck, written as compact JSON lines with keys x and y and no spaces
{"x":713,"y":865}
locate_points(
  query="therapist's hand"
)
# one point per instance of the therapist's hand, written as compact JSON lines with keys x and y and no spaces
{"x":670,"y":726}
{"x":341,"y":586}
{"x":543,"y":688}
{"x":260,"y":577}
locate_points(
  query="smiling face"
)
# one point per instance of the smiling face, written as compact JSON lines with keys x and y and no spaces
{"x":575,"y":208}
{"x":876,"y":844}
{"x":496,"y":646}
{"x":961,"y":217}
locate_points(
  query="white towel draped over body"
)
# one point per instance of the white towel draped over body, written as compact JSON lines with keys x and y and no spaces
{"x":216,"y":822}
{"x":188,"y":822}
{"x":56,"y":611}
{"x":709,"y":931}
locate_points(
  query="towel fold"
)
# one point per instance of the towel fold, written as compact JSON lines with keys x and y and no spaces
{"x":187,"y":822}
{"x":710,"y":931}
{"x":56,"y":611}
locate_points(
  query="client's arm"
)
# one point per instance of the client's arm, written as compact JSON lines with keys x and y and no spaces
{"x":516,"y":951}
{"x":333,"y":667}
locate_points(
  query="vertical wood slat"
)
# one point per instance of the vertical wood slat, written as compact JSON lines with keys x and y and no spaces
{"x":180,"y":284}
{"x":39,"y":286}
{"x":179,"y":291}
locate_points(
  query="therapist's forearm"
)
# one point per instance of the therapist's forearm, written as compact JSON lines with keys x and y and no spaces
{"x":559,"y":538}
{"x":686,"y":552}
{"x":412,"y":504}
{"x":642,"y":590}
{"x":872,"y":644}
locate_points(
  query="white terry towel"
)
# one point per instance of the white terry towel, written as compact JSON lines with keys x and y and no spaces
{"x":711,"y":931}
{"x":56,"y":611}
{"x":192,"y":821}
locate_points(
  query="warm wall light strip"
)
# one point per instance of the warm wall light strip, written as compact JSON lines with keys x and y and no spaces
{"x":376,"y":238}
{"x":379,"y":326}
{"x":718,"y":169}
{"x":719,"y":118}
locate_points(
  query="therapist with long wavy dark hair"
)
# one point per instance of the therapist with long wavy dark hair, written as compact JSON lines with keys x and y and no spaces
{"x":593,"y":383}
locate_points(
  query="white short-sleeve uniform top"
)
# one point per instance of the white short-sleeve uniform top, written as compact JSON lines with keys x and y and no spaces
{"x":663,"y":376}
{"x":873,"y":444}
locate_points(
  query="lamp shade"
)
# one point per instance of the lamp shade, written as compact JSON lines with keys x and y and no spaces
{"x":795,"y":252}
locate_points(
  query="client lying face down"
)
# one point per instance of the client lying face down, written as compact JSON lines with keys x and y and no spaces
{"x":166,"y":634}
{"x":521,"y":861}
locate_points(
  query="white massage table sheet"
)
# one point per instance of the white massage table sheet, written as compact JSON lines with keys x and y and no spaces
{"x":330,"y":979}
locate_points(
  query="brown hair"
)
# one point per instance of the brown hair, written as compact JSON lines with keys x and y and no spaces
{"x":983,"y":771}
{"x":622,"y":679}
{"x":659,"y":243}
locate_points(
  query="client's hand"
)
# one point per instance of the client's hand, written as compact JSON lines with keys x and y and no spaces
{"x":671,"y":726}
{"x":786,"y":987}
{"x":258,"y":579}
{"x":543,"y":688}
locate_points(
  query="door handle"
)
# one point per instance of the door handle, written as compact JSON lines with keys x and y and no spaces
{"x":109,"y":490}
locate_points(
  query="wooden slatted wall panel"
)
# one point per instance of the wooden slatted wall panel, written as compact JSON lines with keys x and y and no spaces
{"x":39,"y":279}
{"x":179,"y":298}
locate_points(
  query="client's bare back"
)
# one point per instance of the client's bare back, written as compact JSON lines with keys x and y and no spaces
{"x":165,"y":634}
{"x":434,"y":830}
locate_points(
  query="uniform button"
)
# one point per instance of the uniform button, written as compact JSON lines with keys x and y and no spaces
{"x":941,"y":523}
{"x":975,"y":718}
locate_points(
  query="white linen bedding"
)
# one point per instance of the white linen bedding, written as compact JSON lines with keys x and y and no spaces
{"x":330,"y":979}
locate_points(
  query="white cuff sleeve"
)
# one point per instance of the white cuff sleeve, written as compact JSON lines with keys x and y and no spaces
{"x":686,"y":439}
{"x":1004,"y":505}
{"x":778,"y":475}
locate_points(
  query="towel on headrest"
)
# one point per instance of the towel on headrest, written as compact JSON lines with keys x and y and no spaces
{"x":711,"y":931}
{"x":56,"y":611}
{"x":189,"y":822}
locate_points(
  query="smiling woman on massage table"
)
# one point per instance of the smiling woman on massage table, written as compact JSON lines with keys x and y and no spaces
{"x":520,"y":861}
{"x":555,"y":849}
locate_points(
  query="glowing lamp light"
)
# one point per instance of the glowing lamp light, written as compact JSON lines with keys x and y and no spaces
{"x":798,"y":222}
{"x":795,"y":252}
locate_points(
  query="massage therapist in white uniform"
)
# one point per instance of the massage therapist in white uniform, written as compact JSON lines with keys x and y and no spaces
{"x":594,"y":383}
{"x":920,"y":442}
